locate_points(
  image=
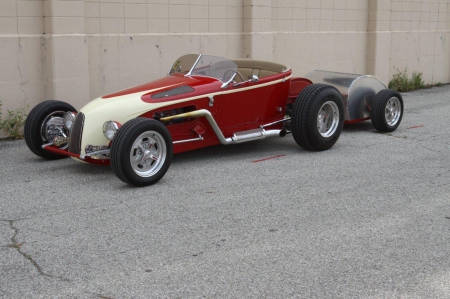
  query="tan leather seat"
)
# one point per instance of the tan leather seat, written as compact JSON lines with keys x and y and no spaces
{"x":260,"y":68}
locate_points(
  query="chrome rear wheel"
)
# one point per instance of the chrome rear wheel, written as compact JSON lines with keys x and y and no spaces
{"x":328,"y":119}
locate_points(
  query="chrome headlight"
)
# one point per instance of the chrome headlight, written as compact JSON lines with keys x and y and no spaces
{"x":68,"y":119}
{"x":110,"y":129}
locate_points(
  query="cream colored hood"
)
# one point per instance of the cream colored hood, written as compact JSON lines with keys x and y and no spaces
{"x":120,"y":109}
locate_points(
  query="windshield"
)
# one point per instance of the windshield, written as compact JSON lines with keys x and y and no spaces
{"x":204,"y":65}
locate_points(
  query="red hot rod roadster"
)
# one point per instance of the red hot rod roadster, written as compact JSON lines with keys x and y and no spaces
{"x":203,"y":101}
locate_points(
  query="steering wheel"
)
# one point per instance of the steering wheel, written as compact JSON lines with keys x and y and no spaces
{"x":226,"y":78}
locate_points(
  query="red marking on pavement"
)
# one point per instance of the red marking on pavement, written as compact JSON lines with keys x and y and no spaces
{"x":415,"y":127}
{"x":265,"y":159}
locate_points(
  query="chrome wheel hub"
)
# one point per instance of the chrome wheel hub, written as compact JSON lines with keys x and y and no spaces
{"x":328,"y":119}
{"x":393,"y":111}
{"x":148,"y":154}
{"x":52,"y":127}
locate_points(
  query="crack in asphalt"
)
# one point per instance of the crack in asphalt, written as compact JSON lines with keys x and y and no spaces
{"x":15,"y":244}
{"x":18,"y":246}
{"x":71,"y":211}
{"x":432,"y":150}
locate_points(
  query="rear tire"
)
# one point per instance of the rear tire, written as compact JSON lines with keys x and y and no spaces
{"x":387,"y":110}
{"x":36,"y":122}
{"x":317,"y":117}
{"x":141,"y":152}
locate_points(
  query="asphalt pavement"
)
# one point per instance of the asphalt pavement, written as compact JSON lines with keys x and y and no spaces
{"x":369,"y":218}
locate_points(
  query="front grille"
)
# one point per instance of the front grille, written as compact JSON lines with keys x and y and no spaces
{"x":76,"y":133}
{"x":173,"y":92}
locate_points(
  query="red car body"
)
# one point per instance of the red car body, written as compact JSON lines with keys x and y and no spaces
{"x":204,"y":101}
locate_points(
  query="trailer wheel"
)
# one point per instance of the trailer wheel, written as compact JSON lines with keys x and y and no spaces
{"x":141,"y":152}
{"x":387,"y":110}
{"x":317,"y":117}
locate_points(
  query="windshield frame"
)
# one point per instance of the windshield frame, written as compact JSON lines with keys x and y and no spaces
{"x":193,"y":66}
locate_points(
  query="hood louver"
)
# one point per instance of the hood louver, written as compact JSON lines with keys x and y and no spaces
{"x":172,"y":92}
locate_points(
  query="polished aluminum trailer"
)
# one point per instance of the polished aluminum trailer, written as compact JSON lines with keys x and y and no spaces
{"x":365,"y":97}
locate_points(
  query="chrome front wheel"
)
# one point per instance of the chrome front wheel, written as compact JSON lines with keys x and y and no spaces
{"x":43,"y":124}
{"x":141,"y":152}
{"x":148,"y":154}
{"x":53,"y":126}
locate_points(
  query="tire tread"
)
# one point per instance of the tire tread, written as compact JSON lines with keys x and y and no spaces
{"x":115,"y":150}
{"x":302,"y":109}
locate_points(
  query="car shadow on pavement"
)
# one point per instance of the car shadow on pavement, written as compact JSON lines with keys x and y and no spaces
{"x":247,"y":151}
{"x":364,"y":126}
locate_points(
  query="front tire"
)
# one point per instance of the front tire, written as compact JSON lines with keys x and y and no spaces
{"x":387,"y":110}
{"x":317,"y":117}
{"x":141,"y":152}
{"x":42,"y":125}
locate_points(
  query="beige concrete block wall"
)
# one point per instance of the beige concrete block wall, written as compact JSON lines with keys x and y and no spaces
{"x":419,"y":39}
{"x":22,"y":62}
{"x":22,"y":75}
{"x":325,"y":34}
{"x":135,"y":41}
{"x":76,"y":50}
{"x":119,"y":62}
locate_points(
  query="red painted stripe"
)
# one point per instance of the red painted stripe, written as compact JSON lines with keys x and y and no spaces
{"x":265,"y":159}
{"x":415,"y":127}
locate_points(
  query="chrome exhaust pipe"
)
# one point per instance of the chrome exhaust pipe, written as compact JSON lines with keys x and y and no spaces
{"x":202,"y":113}
{"x":238,"y":137}
{"x":255,"y":134}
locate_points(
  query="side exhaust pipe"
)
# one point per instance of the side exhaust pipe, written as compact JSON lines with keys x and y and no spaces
{"x":238,"y":137}
{"x":255,"y":134}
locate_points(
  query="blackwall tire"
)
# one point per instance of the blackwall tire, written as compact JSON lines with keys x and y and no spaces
{"x":141,"y":152}
{"x":317,"y":117}
{"x":387,"y":110}
{"x":35,"y":123}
